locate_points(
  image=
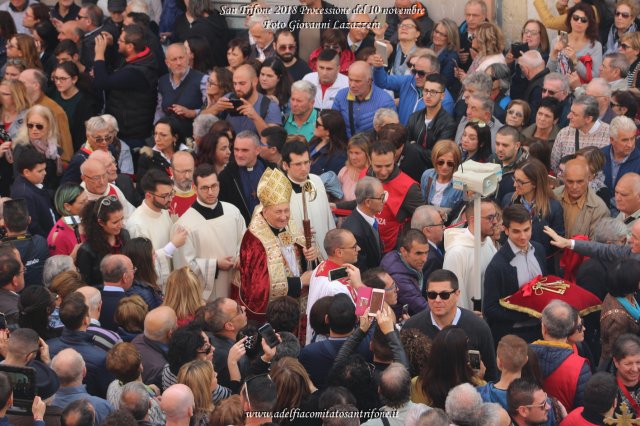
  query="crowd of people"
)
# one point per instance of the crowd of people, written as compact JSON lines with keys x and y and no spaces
{"x":203,"y":226}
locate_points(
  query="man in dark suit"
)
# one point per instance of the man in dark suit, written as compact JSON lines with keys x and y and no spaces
{"x":359,"y":38}
{"x":428,"y":220}
{"x":515,"y":264}
{"x":117,"y":273}
{"x":363,"y":224}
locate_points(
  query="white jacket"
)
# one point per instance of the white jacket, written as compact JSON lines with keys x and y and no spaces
{"x":330,"y":94}
{"x":458,"y":258}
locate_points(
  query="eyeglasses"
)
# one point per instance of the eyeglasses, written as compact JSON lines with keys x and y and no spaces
{"x":332,"y":46}
{"x":353,"y":247}
{"x":100,"y":139}
{"x":36,"y":125}
{"x":448,"y":163}
{"x":541,"y":406}
{"x":286,"y":47}
{"x":419,"y":73}
{"x":394,"y":287}
{"x":444,"y":295}
{"x":407,"y":26}
{"x":521,"y":182}
{"x":213,"y":187}
{"x":183,"y":172}
{"x":239,"y":311}
{"x":430,"y":92}
{"x":614,"y":105}
{"x":82,"y":17}
{"x":625,"y":15}
{"x":133,"y":270}
{"x":383,"y":197}
{"x":516,"y":113}
{"x":96,"y":178}
{"x":411,"y":65}
{"x":624,"y":46}
{"x":440,"y":33}
{"x":164,"y":196}
{"x":550,"y":92}
{"x":106,"y":201}
{"x":492,"y":217}
{"x":207,"y":349}
{"x":212,"y":83}
{"x":439,"y":225}
{"x":582,"y":19}
{"x":530,"y":32}
{"x":60,"y":79}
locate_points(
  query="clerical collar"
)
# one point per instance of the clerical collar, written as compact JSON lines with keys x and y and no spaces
{"x":276,"y":231}
{"x":297,"y":187}
{"x":208,"y":211}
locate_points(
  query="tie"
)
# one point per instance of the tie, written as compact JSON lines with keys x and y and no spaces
{"x":375,"y":225}
{"x":354,"y":48}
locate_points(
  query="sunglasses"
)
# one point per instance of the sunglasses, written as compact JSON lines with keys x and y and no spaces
{"x":106,"y":201}
{"x":37,"y":126}
{"x":444,"y":295}
{"x":582,"y":19}
{"x":550,"y":92}
{"x":206,"y":350}
{"x":419,"y":73}
{"x":516,"y":113}
{"x":448,"y":163}
{"x":614,"y":105}
{"x":625,"y":15}
{"x":287,"y":47}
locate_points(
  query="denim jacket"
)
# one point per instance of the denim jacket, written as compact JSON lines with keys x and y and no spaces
{"x":450,"y":197}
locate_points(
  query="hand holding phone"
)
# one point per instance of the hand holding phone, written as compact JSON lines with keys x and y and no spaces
{"x":338,"y":273}
{"x":269,"y":335}
{"x":474,"y":359}
{"x":377,"y":300}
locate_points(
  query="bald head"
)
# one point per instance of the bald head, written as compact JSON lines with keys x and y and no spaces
{"x":246,"y":70}
{"x":360,"y":79}
{"x":94,"y":175}
{"x":93,"y":299}
{"x":69,"y":366}
{"x":177,"y":403}
{"x":160,"y":323}
{"x":93,"y":167}
{"x":532,"y":63}
{"x":627,"y":193}
{"x":576,"y":178}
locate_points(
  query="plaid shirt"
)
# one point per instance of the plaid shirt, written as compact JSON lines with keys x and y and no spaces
{"x":566,"y":141}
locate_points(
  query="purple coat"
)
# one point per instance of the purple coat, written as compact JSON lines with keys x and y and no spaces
{"x":409,"y":281}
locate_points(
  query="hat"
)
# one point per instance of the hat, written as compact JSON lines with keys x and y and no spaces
{"x":116,"y":5}
{"x":274,"y":188}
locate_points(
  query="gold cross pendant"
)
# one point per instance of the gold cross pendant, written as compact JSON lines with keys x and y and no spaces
{"x":625,"y":418}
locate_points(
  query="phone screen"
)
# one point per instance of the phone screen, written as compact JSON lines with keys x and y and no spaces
{"x":268,"y":334}
{"x":377,"y":298}
{"x":336,"y":274}
{"x":474,"y":359}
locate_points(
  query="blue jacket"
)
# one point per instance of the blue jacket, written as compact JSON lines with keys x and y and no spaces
{"x":98,"y":377}
{"x":43,"y":217}
{"x":631,"y":165}
{"x":363,"y":111}
{"x":66,"y":396}
{"x":448,"y":59}
{"x":451,"y":196}
{"x":409,"y":282}
{"x":410,"y":96}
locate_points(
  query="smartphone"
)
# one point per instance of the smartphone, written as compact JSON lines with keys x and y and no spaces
{"x":517,"y":49}
{"x":3,"y":322}
{"x":381,"y":49}
{"x":564,"y":37}
{"x":237,"y":103}
{"x":474,"y":359}
{"x":405,"y":309}
{"x":377,"y":299}
{"x":269,"y":335}
{"x":338,"y":273}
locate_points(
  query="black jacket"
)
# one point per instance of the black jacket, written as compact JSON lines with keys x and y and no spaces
{"x":501,"y":280}
{"x":214,"y":29}
{"x":231,"y":187}
{"x":441,"y":127}
{"x":533,"y":94}
{"x":370,"y":253}
{"x":88,"y":261}
{"x":435,"y":260}
{"x":414,"y":161}
{"x":43,"y":217}
{"x":424,"y":23}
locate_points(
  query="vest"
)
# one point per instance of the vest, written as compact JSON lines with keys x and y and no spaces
{"x":387,"y":219}
{"x":134,"y":109}
{"x":563,"y":381}
{"x":188,"y":95}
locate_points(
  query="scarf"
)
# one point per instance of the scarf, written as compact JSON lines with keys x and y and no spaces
{"x":613,"y":40}
{"x":633,"y":310}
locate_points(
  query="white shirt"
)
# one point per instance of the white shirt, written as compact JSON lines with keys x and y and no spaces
{"x":326,"y":102}
{"x":454,"y":322}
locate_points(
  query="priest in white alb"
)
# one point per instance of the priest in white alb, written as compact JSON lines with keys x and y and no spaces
{"x":215,"y":230}
{"x":296,"y":163}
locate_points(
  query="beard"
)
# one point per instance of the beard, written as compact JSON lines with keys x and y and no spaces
{"x":286,"y":57}
{"x":248,"y":94}
{"x":161,"y":206}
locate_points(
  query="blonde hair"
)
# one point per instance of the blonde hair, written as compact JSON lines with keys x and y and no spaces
{"x":197,"y":376}
{"x":453,"y":36}
{"x":490,"y":39}
{"x":183,"y":292}
{"x":359,"y":141}
{"x":44,"y":112}
{"x":443,"y":147}
{"x":18,"y":94}
{"x":632,"y":38}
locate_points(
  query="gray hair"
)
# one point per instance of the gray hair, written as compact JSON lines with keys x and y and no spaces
{"x":365,"y":188}
{"x":112,"y":269}
{"x":621,"y":123}
{"x":138,"y":403}
{"x":463,"y":404}
{"x":306,"y":87}
{"x":609,"y":229}
{"x":139,"y":6}
{"x":618,"y":61}
{"x":248,"y":134}
{"x":289,"y":346}
{"x":602,"y":84}
{"x":112,"y":121}
{"x":434,"y":417}
{"x":423,"y":216}
{"x":590,"y":105}
{"x":395,"y":385}
{"x":433,"y":60}
{"x":563,"y":79}
{"x":531,"y":59}
{"x":384,"y":116}
{"x":486,"y":101}
{"x":559,"y":319}
{"x":56,"y":265}
{"x":414,"y":413}
{"x":202,"y":125}
{"x":92,"y":297}
{"x":479,"y":80}
{"x":68,"y":365}
{"x":489,"y":414}
{"x":501,"y":73}
{"x":258,"y":19}
{"x":97,"y":124}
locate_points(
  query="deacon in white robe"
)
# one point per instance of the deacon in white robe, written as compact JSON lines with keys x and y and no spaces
{"x":215,"y":232}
